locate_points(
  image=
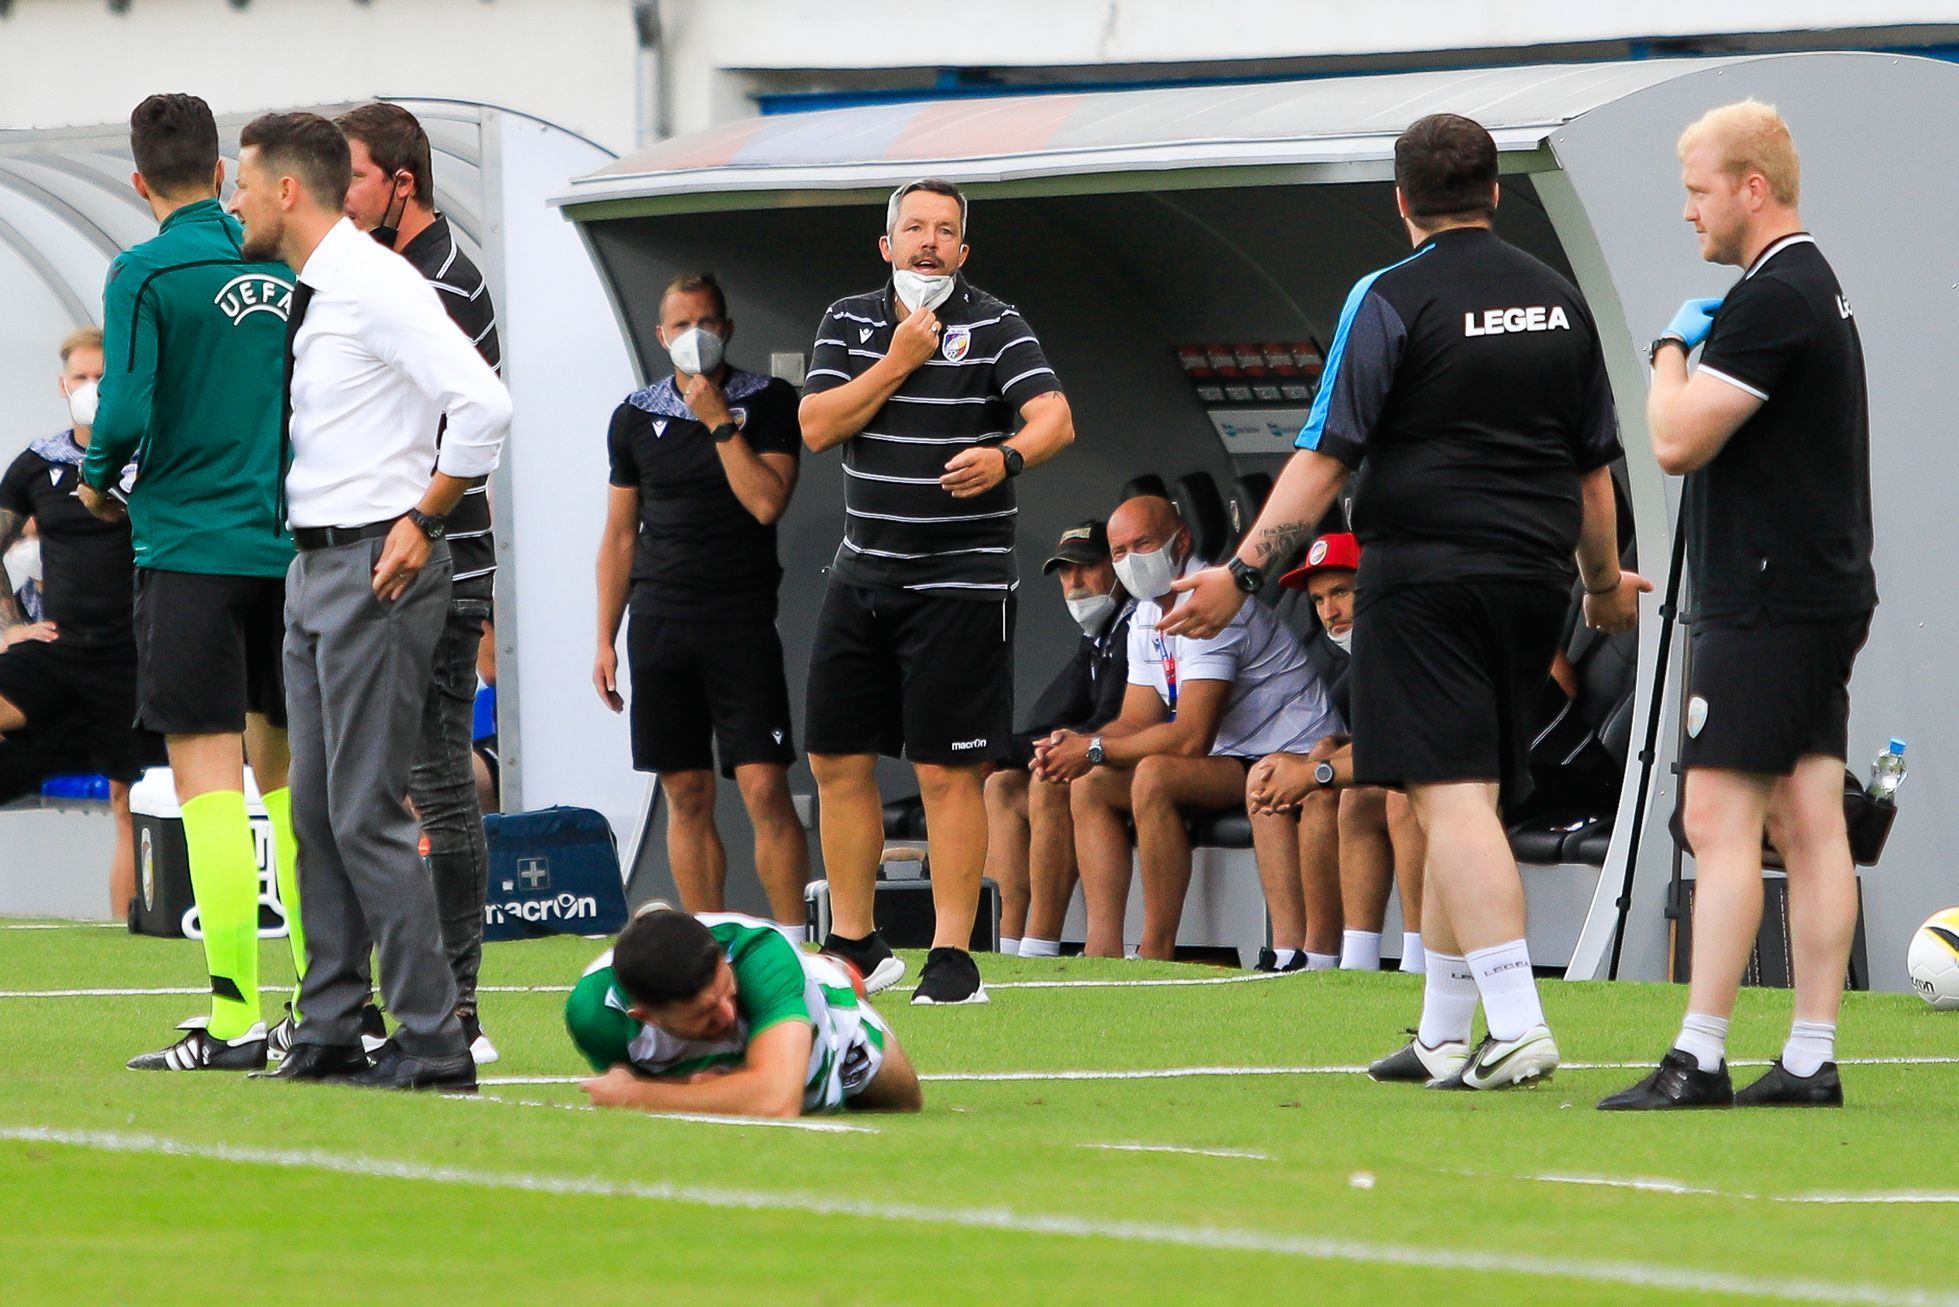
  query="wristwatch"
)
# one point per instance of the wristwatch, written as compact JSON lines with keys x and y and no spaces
{"x":1323,"y":774}
{"x":1015,"y":463}
{"x":432,"y":525}
{"x":1250,"y":579}
{"x":722,"y":434}
{"x":1660,"y":343}
{"x":1095,"y":753}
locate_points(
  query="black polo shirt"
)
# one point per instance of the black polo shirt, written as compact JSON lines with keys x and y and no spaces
{"x":700,"y":555}
{"x":901,"y":530}
{"x":1466,"y":384}
{"x":1780,"y":520}
{"x":460,"y":286}
{"x":1088,"y":690}
{"x":88,"y":567}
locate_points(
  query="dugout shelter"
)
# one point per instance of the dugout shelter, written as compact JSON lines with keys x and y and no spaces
{"x":1183,"y":252}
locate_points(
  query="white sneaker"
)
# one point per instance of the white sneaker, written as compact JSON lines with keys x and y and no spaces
{"x":1499,"y":1063}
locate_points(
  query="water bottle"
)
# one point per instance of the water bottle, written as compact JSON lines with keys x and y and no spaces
{"x":1887,"y":773}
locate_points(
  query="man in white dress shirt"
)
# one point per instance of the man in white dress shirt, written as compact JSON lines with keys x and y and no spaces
{"x":374,"y":362}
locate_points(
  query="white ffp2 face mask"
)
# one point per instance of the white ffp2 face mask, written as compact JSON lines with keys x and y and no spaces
{"x":920,"y":291}
{"x":82,"y":403}
{"x":1091,"y":611}
{"x":695,"y":351}
{"x":1344,"y":641}
{"x":1147,"y":576}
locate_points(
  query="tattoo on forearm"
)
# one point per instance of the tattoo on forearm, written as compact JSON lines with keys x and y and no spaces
{"x":1276,"y":543}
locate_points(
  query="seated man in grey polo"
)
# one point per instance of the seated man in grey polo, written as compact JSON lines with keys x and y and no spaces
{"x":1195,"y":716}
{"x":1030,"y":841}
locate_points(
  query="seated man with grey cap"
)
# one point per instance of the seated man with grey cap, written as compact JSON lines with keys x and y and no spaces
{"x":1030,"y":844}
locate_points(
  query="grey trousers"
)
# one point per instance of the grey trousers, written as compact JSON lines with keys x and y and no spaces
{"x":357,"y":674}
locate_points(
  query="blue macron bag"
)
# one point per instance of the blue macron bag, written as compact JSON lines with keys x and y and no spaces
{"x":552,"y":872}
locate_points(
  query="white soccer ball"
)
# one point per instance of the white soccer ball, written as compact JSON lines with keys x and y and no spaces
{"x":1933,"y":960}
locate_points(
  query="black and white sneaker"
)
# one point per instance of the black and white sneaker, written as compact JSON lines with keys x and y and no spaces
{"x":481,"y":1050}
{"x":1779,"y":1087}
{"x":1268,"y":960}
{"x":1501,"y":1063}
{"x":1417,"y":1063}
{"x":374,"y":1029}
{"x":1678,"y":1082}
{"x":950,"y":976}
{"x":278,"y":1040}
{"x":873,"y":958}
{"x":198,"y":1050}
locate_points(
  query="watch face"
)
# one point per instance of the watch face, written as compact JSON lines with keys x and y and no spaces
{"x":1324,"y":773}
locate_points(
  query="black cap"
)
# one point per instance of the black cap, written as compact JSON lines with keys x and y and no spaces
{"x":1084,"y":542}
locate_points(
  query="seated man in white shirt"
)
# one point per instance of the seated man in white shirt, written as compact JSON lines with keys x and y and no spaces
{"x":1195,"y":717}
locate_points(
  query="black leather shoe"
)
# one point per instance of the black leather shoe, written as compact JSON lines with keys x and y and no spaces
{"x":1778,"y":1087}
{"x":395,"y":1068}
{"x":328,"y":1062}
{"x":1678,"y":1082}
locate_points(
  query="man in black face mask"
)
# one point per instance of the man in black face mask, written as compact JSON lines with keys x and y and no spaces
{"x":392,"y":198}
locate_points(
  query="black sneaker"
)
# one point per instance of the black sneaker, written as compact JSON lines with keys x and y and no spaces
{"x":1268,"y":960}
{"x":1779,"y":1087}
{"x":1417,"y":1063}
{"x":374,"y":1029}
{"x":325,"y":1063}
{"x":1678,"y":1082}
{"x":950,"y":976}
{"x":199,"y":1050}
{"x":880,"y":968}
{"x":395,"y":1068}
{"x":481,"y":1050}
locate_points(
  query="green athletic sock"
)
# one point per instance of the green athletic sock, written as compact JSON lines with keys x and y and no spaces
{"x":224,"y":878}
{"x":285,"y":859}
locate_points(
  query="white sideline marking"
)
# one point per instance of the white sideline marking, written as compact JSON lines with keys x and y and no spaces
{"x":1166,"y":982}
{"x":687,"y":1118}
{"x":1681,"y":1188}
{"x":1006,"y":1220}
{"x":64,"y":925}
{"x":1244,"y":1153}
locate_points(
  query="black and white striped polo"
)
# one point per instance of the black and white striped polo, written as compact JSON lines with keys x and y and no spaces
{"x":902,"y":530}
{"x":459,"y":285}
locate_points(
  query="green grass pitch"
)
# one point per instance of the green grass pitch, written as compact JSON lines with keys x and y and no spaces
{"x":1307,"y":1184}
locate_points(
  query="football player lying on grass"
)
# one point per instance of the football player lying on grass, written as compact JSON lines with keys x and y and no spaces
{"x":726,"y":1014}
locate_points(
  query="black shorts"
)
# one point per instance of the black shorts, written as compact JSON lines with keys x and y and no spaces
{"x":84,"y":694}
{"x":208,"y":651}
{"x":1762,"y":698}
{"x":1445,"y":681}
{"x":921,"y":676}
{"x":703,"y":687}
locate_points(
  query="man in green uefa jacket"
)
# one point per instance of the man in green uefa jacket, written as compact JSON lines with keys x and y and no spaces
{"x":193,"y":397}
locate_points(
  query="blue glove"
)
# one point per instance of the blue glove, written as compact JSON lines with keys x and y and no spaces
{"x":1692,"y":323}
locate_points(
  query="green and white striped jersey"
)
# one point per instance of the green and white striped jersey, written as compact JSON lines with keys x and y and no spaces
{"x":775,"y":981}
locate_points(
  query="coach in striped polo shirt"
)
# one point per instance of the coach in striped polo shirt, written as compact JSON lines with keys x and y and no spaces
{"x":922,"y":382}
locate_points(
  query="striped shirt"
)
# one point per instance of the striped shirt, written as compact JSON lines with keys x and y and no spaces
{"x":1276,"y":705}
{"x":464,"y":295}
{"x":901,"y":529}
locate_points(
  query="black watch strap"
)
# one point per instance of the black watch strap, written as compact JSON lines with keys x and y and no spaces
{"x":432,"y":525}
{"x":722,"y":434}
{"x":1250,"y":579}
{"x":1653,"y":350}
{"x":1014,"y":462}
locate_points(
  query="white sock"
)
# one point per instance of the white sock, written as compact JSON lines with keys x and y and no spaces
{"x":1282,"y":958}
{"x":1322,"y":961}
{"x":797,"y":929}
{"x":1706,"y":1038}
{"x":1009,"y":946}
{"x":1811,"y":1044}
{"x":1039,"y":948}
{"x":1360,"y":950}
{"x":1448,"y":1001}
{"x":1414,"y":960}
{"x":1508,"y":989}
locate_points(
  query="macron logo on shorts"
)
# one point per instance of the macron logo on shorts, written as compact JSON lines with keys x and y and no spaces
{"x":961,"y":746}
{"x":1499,"y":322}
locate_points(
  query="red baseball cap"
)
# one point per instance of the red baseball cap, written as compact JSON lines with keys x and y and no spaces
{"x":1337,"y":551}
